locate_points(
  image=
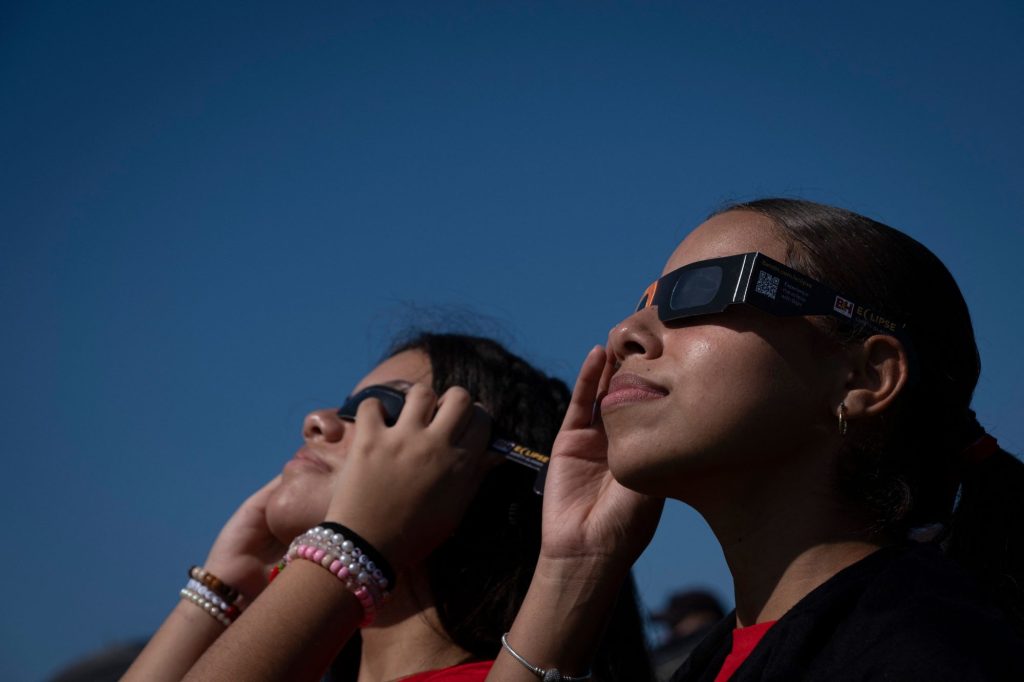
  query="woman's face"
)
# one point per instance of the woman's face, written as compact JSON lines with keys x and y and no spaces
{"x":719,"y":397}
{"x":308,"y":478}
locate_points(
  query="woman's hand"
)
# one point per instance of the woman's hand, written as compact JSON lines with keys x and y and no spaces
{"x":245,"y":549}
{"x":405,"y":488}
{"x":587,"y":513}
{"x":593,"y":531}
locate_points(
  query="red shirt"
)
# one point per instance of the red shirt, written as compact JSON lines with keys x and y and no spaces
{"x":467,"y":672}
{"x":743,"y":642}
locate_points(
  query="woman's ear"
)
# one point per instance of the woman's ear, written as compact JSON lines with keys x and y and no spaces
{"x":879,"y":370}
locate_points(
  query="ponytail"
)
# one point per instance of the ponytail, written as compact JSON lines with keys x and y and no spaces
{"x":986,"y":531}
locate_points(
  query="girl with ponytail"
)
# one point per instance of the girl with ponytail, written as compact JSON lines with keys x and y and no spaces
{"x":802,"y":376}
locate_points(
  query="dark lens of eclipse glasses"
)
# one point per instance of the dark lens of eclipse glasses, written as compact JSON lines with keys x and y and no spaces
{"x":696,"y":287}
{"x":391,"y":399}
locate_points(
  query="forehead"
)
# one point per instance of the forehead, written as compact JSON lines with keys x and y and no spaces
{"x":728,"y":234}
{"x":407,"y":367}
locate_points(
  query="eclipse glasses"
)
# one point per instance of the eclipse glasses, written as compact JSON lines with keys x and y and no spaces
{"x":392,"y":401}
{"x":711,"y":286}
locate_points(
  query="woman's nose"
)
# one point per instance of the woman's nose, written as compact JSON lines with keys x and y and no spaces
{"x":324,"y":425}
{"x":637,"y":335}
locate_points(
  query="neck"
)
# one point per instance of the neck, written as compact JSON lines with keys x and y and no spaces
{"x":407,"y":636}
{"x":784,"y":532}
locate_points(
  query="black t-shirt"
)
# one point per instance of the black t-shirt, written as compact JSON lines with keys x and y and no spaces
{"x":903,"y":613}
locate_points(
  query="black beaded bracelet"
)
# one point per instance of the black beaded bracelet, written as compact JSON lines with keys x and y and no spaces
{"x":369,"y":550}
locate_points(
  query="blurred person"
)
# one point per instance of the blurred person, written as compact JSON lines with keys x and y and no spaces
{"x":688,"y":616}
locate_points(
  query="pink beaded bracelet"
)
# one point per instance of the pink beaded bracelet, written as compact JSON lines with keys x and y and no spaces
{"x":345,"y":561}
{"x":369,"y":596}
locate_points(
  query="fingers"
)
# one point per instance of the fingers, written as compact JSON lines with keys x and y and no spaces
{"x":420,"y":406}
{"x":454,"y":409}
{"x":477,"y":433}
{"x":580,"y":414}
{"x":610,"y":366}
{"x":370,"y":417}
{"x":467,"y":423}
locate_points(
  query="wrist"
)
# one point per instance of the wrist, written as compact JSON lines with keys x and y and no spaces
{"x":248,"y":576}
{"x":584,"y":571}
{"x":561,"y":620}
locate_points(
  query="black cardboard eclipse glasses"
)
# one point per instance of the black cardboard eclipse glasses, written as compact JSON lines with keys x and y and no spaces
{"x":711,"y":286}
{"x":392,"y":401}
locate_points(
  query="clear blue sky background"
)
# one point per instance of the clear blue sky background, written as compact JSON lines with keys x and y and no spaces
{"x":214,"y":215}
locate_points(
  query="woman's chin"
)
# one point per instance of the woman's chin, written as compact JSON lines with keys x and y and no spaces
{"x":642,"y":473}
{"x":290,"y":514}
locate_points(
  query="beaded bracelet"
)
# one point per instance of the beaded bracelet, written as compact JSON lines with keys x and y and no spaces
{"x":349,"y":562}
{"x":213,"y":595}
{"x":207,"y":605}
{"x":373,"y":556}
{"x":354,"y":552}
{"x":226,"y":592}
{"x":230,"y":610}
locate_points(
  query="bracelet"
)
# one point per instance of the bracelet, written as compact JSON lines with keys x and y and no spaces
{"x":343,"y":558}
{"x":373,"y":556}
{"x":549,"y":675}
{"x":212,"y":595}
{"x":226,"y":592}
{"x":207,"y":605}
{"x":230,"y":610}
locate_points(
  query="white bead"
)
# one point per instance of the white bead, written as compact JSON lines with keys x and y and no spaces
{"x":353,"y":568}
{"x":337,"y":538}
{"x":347,"y":546}
{"x":363,"y":578}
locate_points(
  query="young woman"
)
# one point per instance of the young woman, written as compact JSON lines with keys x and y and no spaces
{"x":802,"y":376}
{"x":459,"y":527}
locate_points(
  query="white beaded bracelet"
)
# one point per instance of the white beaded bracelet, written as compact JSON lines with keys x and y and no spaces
{"x":208,"y":594}
{"x":206,"y":605}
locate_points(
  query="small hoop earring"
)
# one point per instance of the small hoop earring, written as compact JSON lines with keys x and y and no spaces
{"x":843,"y":423}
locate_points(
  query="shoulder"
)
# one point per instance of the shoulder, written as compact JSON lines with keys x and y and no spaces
{"x":920,"y":616}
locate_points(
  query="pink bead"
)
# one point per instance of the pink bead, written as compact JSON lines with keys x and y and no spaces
{"x":343,"y":572}
{"x":318,"y":555}
{"x":335,"y":565}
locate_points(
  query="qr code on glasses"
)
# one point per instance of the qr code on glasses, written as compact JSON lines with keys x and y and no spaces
{"x":767,"y":285}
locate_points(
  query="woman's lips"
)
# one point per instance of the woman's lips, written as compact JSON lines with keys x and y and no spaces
{"x":305,"y":458}
{"x":628,"y":388}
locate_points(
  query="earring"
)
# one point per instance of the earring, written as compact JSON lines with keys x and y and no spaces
{"x":843,"y":424}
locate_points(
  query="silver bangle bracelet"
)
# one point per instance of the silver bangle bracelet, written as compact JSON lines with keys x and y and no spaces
{"x":549,"y":675}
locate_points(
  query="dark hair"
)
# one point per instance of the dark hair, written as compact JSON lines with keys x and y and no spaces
{"x":480,"y":575}
{"x":907,"y":467}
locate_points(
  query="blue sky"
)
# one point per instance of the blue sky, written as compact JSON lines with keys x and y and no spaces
{"x":215,"y":215}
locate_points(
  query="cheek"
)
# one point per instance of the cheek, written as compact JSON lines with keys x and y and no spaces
{"x":735,"y":404}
